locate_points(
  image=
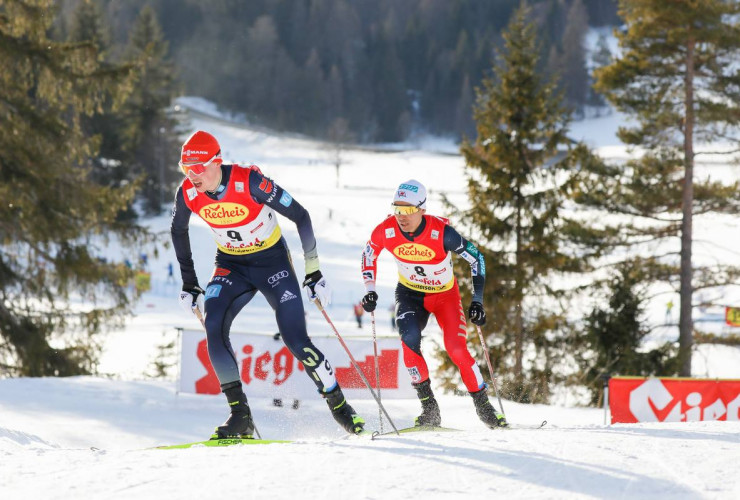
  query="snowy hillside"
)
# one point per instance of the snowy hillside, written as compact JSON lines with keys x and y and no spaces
{"x":87,"y":437}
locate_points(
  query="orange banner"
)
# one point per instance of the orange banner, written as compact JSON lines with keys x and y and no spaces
{"x":639,"y":399}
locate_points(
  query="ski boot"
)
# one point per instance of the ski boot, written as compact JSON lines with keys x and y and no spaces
{"x":342,"y":412}
{"x":240,"y":423}
{"x":430,"y":416}
{"x":485,"y":410}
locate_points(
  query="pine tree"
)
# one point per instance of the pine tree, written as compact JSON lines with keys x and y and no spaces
{"x":677,"y":78}
{"x":602,"y":56}
{"x":88,"y":26}
{"x":520,"y":169}
{"x":574,"y":56}
{"x":612,"y":337}
{"x":54,"y":221}
{"x":149,"y":133}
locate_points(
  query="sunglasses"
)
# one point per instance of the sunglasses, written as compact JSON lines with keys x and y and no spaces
{"x":197,"y":167}
{"x":404,"y":209}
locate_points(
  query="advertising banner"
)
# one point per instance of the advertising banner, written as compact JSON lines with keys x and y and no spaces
{"x":732,"y":316}
{"x":268,"y":369}
{"x":640,"y":399}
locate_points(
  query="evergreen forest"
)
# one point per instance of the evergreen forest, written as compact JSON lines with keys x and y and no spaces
{"x":387,"y":68}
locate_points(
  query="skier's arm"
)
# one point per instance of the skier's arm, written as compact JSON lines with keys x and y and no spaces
{"x":181,"y":239}
{"x":265,"y":191}
{"x":370,"y":257}
{"x":456,"y":243}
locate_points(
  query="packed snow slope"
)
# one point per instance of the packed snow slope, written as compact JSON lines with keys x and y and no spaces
{"x":91,"y":437}
{"x":88,"y":437}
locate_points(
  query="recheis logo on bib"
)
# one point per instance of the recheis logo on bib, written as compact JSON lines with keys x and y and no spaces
{"x":414,"y":252}
{"x":224,"y":213}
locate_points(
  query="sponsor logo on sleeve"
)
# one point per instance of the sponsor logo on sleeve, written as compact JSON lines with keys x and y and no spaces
{"x":465,"y":255}
{"x":220,"y":271}
{"x":368,"y":276}
{"x":286,"y":199}
{"x":266,"y":185}
{"x":368,"y":253}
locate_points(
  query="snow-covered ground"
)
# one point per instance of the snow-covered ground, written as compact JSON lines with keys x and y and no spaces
{"x":87,"y":437}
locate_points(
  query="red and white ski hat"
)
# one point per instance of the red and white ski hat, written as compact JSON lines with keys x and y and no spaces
{"x":198,"y":151}
{"x":413,"y":192}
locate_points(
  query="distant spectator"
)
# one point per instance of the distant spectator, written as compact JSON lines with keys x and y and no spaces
{"x":392,"y":310}
{"x":170,"y":273}
{"x":359,"y":311}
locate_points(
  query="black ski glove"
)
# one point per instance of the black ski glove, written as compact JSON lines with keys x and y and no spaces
{"x":370,"y":301}
{"x":476,"y":314}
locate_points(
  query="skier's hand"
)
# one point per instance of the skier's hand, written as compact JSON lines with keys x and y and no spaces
{"x":317,"y":288}
{"x":370,"y":301}
{"x":191,"y":297}
{"x":476,"y":314}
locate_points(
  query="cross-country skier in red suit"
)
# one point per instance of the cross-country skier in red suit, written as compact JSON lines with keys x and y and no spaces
{"x":422,"y":246}
{"x":240,"y":206}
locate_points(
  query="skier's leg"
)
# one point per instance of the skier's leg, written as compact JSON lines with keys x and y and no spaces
{"x":448,"y":310}
{"x":411,"y":319}
{"x":284,"y":296}
{"x":227,"y":293}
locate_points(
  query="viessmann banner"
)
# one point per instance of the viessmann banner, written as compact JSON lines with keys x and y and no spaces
{"x":638,"y":399}
{"x":268,"y":369}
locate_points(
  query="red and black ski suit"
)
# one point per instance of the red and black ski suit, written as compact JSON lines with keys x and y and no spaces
{"x":427,"y":285}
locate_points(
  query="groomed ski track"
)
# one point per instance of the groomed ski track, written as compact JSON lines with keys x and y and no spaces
{"x":47,"y":427}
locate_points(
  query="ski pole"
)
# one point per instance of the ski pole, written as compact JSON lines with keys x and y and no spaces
{"x":490,"y":369}
{"x":199,"y":315}
{"x":354,"y":363}
{"x":377,"y":369}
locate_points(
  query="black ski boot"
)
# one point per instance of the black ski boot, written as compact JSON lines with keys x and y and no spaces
{"x":342,"y":412}
{"x":485,"y":410}
{"x":240,"y":423}
{"x":430,"y":416}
